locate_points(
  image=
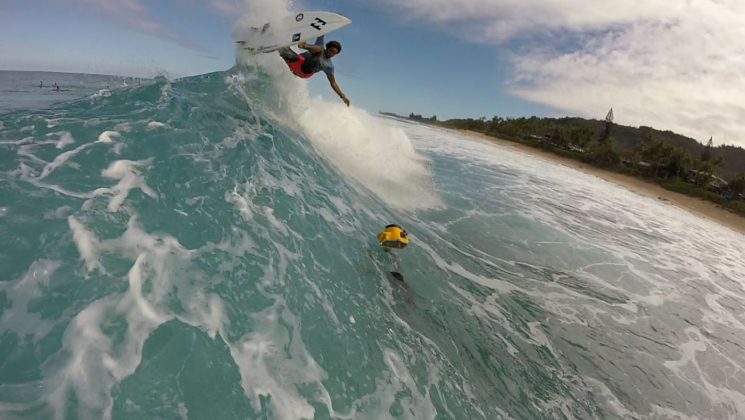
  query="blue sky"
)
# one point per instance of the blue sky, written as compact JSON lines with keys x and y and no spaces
{"x":671,"y":64}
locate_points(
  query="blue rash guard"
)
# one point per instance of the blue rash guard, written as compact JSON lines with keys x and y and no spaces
{"x":317,"y":63}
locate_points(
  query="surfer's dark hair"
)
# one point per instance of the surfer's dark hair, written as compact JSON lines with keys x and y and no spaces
{"x":334,"y":44}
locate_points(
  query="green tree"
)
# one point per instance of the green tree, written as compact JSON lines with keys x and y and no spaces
{"x":604,"y":153}
{"x":664,"y":160}
{"x":707,"y":168}
{"x":558,"y":137}
{"x":650,"y":152}
{"x":678,"y":162}
{"x":737,"y":185}
{"x":580,"y":136}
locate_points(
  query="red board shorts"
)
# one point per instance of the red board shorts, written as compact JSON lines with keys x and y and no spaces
{"x":296,"y":65}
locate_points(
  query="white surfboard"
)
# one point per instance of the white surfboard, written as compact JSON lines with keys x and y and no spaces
{"x":291,"y":30}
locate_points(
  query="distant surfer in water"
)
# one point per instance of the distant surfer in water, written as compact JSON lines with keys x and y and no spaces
{"x":316,"y":58}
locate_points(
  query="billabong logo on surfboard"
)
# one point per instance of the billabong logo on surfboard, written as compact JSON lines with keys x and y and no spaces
{"x":289,"y":31}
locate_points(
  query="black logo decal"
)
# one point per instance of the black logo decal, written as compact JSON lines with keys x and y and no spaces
{"x":299,"y":17}
{"x":296,"y":37}
{"x":318,"y":23}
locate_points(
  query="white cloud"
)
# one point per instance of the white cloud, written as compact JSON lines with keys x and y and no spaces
{"x":670,"y":64}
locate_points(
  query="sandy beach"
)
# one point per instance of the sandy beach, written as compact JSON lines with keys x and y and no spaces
{"x":693,"y":205}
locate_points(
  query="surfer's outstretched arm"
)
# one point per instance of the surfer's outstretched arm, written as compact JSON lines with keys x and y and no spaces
{"x":337,"y":89}
{"x":315,"y":48}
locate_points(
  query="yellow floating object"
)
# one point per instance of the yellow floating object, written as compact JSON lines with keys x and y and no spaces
{"x":394,"y":236}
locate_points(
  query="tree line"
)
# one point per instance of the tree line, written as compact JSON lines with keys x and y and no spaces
{"x":676,"y":162}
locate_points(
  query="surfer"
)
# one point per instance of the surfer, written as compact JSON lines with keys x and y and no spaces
{"x":316,"y":58}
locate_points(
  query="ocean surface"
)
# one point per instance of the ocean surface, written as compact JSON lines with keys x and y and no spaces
{"x":206,"y":248}
{"x":36,"y":90}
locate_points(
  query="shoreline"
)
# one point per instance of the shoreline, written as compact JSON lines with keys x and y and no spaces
{"x":694,"y":205}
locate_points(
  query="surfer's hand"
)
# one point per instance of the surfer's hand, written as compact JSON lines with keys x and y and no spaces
{"x":345,"y":99}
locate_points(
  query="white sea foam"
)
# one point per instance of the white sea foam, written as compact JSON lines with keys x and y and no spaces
{"x":461,"y":271}
{"x":396,"y":385}
{"x":61,"y":190}
{"x":241,"y":202}
{"x":380,"y":157}
{"x":273,"y":361}
{"x":87,"y":243}
{"x":81,"y":372}
{"x":145,"y":310}
{"x":58,"y":213}
{"x":17,"y":318}
{"x":377,"y":155}
{"x":242,"y":196}
{"x":61,"y":159}
{"x":118,"y":148}
{"x":17,"y":142}
{"x":129,"y":176}
{"x":65,"y":139}
{"x":124,"y":127}
{"x":108,"y":136}
{"x":91,"y":363}
{"x":165,"y":93}
{"x":152,"y":125}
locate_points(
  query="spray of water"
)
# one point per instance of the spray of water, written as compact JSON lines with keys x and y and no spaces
{"x":361,"y":146}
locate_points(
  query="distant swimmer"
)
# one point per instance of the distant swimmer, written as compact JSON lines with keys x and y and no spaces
{"x":315,"y":59}
{"x":41,"y":84}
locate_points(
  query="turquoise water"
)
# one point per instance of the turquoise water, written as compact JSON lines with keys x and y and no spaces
{"x":34,"y":90}
{"x":205,"y":248}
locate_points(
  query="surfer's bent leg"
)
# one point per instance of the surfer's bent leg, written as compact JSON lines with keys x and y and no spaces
{"x":288,"y":54}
